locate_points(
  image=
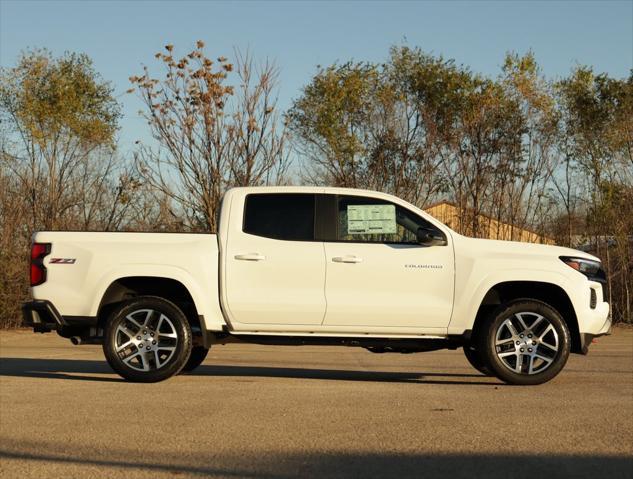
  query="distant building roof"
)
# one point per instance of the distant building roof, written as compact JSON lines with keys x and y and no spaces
{"x":450,"y":214}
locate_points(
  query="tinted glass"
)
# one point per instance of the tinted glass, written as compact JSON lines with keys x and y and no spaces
{"x":370,"y":220}
{"x":284,"y":216}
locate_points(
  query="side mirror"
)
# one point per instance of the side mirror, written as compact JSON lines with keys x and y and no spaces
{"x":430,"y":237}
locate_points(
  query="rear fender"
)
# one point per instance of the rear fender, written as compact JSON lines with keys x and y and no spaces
{"x":205,"y":297}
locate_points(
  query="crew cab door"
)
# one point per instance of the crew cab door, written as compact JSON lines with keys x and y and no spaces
{"x":379,"y":276}
{"x":274,"y":269}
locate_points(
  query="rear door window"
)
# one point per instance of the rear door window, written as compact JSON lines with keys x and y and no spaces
{"x":283,"y":216}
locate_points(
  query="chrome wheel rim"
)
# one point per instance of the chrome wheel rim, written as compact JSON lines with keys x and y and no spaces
{"x":146,"y":340}
{"x":527,"y":343}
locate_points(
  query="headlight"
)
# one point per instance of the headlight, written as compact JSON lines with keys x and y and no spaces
{"x":591,"y":269}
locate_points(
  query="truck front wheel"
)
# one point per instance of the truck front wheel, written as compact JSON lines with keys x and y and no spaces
{"x":147,"y":339}
{"x":524,"y":342}
{"x":197,"y":356}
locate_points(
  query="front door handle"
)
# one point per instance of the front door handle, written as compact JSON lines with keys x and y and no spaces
{"x":347,"y":259}
{"x":250,"y":257}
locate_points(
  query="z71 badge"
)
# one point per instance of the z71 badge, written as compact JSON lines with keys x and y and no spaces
{"x":62,"y":261}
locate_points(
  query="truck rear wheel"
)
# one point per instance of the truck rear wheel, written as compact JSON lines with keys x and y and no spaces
{"x":524,"y":342}
{"x":147,"y":339}
{"x":476,"y":361}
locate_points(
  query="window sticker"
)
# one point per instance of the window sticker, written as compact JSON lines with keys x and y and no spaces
{"x":371,"y":219}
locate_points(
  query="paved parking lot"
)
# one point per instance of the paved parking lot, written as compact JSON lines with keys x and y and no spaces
{"x":260,"y":411}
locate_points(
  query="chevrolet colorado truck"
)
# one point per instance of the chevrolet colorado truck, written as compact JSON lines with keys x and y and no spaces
{"x":317,"y":266}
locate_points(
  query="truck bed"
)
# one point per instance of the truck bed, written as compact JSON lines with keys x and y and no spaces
{"x":82,"y":266}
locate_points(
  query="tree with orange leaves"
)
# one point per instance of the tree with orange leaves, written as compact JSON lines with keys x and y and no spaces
{"x":210,"y":135}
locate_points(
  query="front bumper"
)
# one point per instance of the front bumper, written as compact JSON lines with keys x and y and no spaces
{"x":587,"y":338}
{"x":594,"y":324}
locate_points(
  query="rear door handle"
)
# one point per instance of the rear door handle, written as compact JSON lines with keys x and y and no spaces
{"x":250,"y":257}
{"x":347,"y":259}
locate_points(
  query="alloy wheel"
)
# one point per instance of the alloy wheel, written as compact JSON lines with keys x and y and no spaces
{"x":527,"y":343}
{"x":146,"y":340}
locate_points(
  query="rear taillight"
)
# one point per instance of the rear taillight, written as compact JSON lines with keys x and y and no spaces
{"x":38,"y":270}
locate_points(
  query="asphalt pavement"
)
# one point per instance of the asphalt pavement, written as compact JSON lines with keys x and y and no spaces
{"x":264,"y":411}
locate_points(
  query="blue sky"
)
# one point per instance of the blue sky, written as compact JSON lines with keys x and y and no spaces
{"x":299,"y":35}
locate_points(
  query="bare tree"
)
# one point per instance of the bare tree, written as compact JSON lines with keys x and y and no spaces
{"x":58,"y":121}
{"x":210,"y":135}
{"x":524,"y":171}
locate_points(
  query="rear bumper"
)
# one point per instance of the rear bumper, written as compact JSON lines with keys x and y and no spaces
{"x":43,"y":317}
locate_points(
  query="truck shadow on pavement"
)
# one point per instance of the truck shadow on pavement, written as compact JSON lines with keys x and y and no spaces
{"x":335,"y":464}
{"x":90,"y":370}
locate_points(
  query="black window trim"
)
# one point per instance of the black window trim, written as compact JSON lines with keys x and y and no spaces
{"x":326,"y":212}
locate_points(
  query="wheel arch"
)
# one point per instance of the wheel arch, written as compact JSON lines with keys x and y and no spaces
{"x":549,"y":293}
{"x":129,"y":287}
{"x":172,"y":283}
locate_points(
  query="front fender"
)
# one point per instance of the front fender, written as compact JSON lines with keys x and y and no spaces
{"x":471,"y":296}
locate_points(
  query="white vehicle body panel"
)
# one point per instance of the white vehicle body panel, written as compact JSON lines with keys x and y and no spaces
{"x":393,"y":286}
{"x":298,"y":289}
{"x":102,"y":258}
{"x":284,"y":287}
{"x":483,"y":264}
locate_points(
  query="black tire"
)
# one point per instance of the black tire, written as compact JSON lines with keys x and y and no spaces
{"x":476,"y":361}
{"x":164,"y":345}
{"x":528,"y":357}
{"x":197,"y":356}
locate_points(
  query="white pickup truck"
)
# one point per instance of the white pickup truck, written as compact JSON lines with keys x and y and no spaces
{"x":319,"y":266}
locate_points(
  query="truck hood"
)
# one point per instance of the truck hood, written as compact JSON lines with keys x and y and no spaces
{"x":517,"y":249}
